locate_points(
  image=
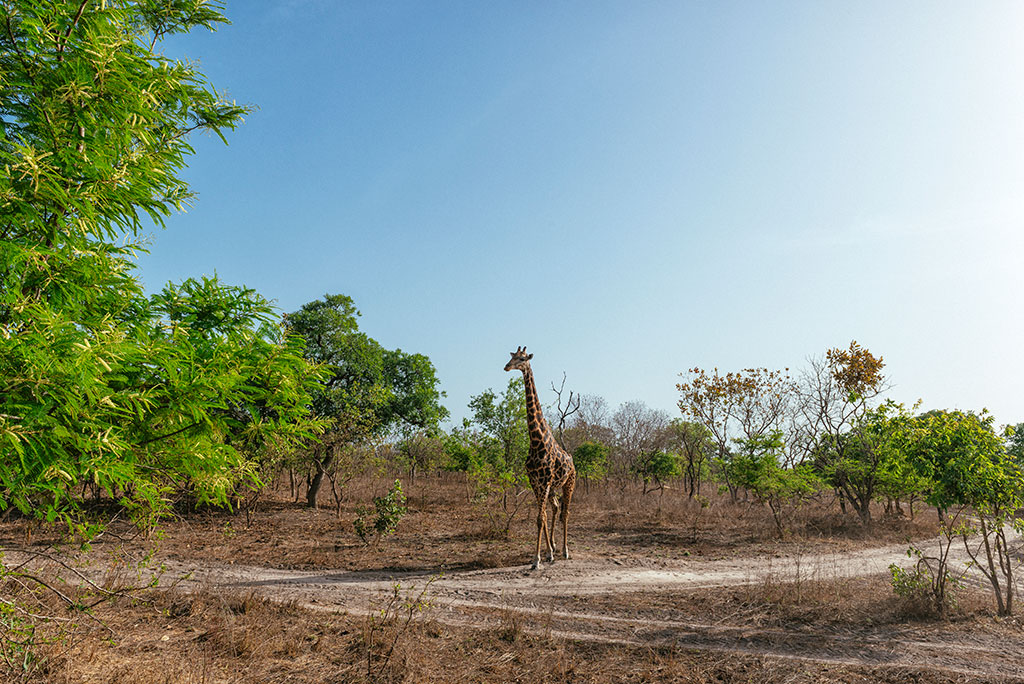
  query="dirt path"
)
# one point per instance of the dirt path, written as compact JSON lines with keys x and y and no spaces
{"x":554,"y":601}
{"x":588,"y":599}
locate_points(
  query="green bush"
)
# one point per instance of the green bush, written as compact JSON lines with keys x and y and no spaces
{"x":387,"y":511}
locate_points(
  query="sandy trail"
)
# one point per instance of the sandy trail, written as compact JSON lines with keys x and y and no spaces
{"x":523,"y":599}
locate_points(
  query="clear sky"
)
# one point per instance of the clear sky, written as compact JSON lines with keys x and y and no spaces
{"x":630,"y":189}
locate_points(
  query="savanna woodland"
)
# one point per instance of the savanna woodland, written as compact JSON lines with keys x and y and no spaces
{"x":197,"y":487}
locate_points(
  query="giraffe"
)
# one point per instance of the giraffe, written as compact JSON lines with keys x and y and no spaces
{"x":548,"y":465}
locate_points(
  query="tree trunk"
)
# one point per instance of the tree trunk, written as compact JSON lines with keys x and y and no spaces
{"x":842,"y":500}
{"x":314,"y":485}
{"x":863,"y":510}
{"x":321,"y":463}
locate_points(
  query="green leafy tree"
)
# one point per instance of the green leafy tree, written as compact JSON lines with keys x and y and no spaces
{"x":656,"y":469}
{"x":860,"y":462}
{"x":501,"y":443}
{"x":897,"y":478}
{"x":695,"y":445}
{"x":459,"y":449}
{"x":1014,"y":438}
{"x":591,"y":460}
{"x":367,"y":390}
{"x":503,"y":418}
{"x":140,"y":397}
{"x":967,"y":466}
{"x":755,"y":467}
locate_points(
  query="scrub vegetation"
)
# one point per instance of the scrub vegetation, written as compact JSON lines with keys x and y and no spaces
{"x":197,"y":427}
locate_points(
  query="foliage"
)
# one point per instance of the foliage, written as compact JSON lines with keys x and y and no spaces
{"x":835,"y":397}
{"x":367,"y":390}
{"x":1013,"y":435}
{"x":929,"y":585}
{"x":755,"y":467}
{"x":658,"y":468}
{"x":502,"y":418}
{"x":499,"y":441}
{"x":695,"y":445}
{"x":388,"y":510}
{"x":591,"y":460}
{"x":856,"y":370}
{"x":964,"y":460}
{"x":141,"y":397}
{"x":967,"y":465}
{"x":869,"y":458}
{"x":459,"y":449}
{"x":746,"y":405}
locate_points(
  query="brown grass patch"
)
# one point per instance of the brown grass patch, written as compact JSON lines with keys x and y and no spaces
{"x":216,"y":639}
{"x":208,"y":637}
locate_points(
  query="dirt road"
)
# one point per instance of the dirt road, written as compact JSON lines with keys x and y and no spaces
{"x":588,"y":599}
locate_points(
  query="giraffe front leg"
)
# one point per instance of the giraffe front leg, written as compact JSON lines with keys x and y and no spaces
{"x":542,"y":532}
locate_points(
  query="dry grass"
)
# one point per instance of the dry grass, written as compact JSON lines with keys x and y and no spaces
{"x":206,"y":637}
{"x":444,"y":531}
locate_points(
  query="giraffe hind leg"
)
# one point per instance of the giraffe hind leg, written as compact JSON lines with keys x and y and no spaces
{"x":567,"y":492}
{"x":550,"y":536}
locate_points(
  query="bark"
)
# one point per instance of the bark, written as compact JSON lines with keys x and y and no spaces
{"x":321,"y":462}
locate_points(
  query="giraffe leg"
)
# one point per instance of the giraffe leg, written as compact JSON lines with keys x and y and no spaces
{"x":542,"y":523}
{"x":567,"y":491}
{"x":550,"y":536}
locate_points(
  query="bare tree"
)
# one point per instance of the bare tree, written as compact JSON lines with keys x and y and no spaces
{"x":639,"y":430}
{"x":572,"y":405}
{"x":590,"y":423}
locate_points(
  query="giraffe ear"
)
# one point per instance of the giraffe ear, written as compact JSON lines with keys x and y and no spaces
{"x":529,"y":357}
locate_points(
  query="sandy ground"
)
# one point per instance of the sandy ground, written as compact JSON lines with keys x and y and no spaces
{"x":560,"y":599}
{"x":633,"y":582}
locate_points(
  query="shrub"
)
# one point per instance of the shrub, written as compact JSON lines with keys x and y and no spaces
{"x":388,"y":510}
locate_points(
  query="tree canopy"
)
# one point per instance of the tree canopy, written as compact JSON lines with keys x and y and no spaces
{"x":366,"y":390}
{"x":141,"y":396}
{"x":365,"y":385}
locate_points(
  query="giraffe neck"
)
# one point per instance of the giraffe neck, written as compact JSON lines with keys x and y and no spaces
{"x":534,"y":416}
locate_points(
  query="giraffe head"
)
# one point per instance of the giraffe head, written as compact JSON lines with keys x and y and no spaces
{"x":520,"y":360}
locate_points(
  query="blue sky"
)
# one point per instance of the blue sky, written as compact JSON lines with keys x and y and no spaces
{"x":630,"y":189}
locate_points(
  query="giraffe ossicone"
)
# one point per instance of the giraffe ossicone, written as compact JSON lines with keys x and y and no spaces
{"x":548,"y":466}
